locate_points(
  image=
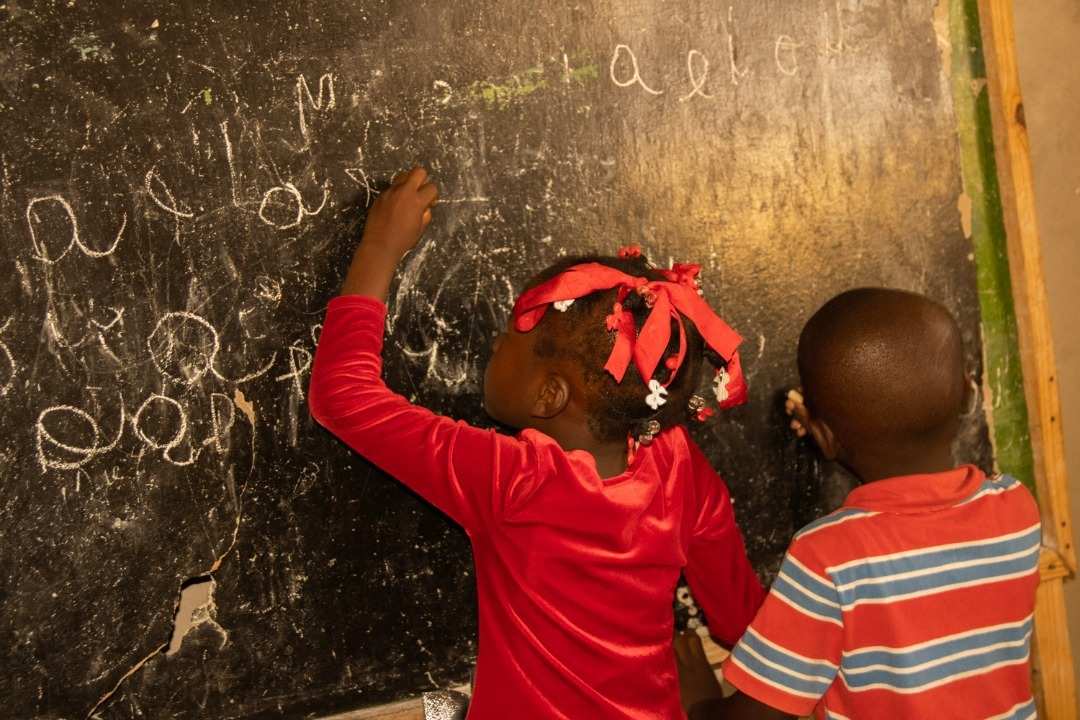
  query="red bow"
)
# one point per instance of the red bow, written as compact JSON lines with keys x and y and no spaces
{"x":670,"y":299}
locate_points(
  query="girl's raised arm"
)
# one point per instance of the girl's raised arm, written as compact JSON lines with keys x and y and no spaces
{"x":462,"y":470}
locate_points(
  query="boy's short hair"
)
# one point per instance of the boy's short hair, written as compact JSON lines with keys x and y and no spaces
{"x":580,"y":335}
{"x":884,"y":363}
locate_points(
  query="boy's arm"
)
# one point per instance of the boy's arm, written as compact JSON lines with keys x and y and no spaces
{"x":721,"y":578}
{"x":790,"y":655}
{"x":452,"y":465}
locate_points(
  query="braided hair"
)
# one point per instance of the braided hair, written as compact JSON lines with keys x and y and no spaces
{"x":579,"y":335}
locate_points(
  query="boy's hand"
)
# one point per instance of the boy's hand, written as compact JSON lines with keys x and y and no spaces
{"x":394,"y":225}
{"x":795,"y":407}
{"x":401,"y":213}
{"x":697,"y":681}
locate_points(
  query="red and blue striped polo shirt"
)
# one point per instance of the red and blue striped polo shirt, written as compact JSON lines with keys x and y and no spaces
{"x":913,"y":600}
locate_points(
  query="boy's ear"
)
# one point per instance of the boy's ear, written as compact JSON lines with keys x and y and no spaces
{"x":553,"y":397}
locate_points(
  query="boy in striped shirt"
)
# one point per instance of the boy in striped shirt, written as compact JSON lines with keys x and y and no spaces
{"x":915,"y":599}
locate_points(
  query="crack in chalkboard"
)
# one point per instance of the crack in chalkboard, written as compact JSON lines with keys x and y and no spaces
{"x":134,"y":669}
{"x":247,"y":408}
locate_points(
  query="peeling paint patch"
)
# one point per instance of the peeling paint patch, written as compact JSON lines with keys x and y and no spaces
{"x":963,"y":204}
{"x":246,"y":406}
{"x":196,"y":608}
{"x":89,"y":47}
{"x":500,"y":93}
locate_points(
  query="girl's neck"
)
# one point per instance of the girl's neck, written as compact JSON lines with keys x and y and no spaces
{"x":611,"y":458}
{"x":610,"y":455}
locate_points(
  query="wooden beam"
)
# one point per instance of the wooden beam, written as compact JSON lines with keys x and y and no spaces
{"x":412,"y":709}
{"x":1052,"y":565}
{"x":405,"y":710}
{"x":1029,"y":289}
{"x":1052,"y":654}
{"x":1053,"y":667}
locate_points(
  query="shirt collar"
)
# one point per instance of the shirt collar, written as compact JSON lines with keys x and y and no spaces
{"x":918,"y":493}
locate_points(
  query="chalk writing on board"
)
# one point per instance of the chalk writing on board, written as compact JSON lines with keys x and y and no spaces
{"x":50,"y":450}
{"x":361,"y":178}
{"x":164,"y":441}
{"x":159,"y":192}
{"x":160,"y":423}
{"x":231,"y":160}
{"x":183,"y":345}
{"x":625,"y":70}
{"x":12,"y":368}
{"x":736,"y":72}
{"x":634,"y":77}
{"x":787,"y":62}
{"x":221,"y":422}
{"x":299,"y":364}
{"x":290,"y":191}
{"x":697,"y":77}
{"x":323,"y":100}
{"x":448,"y":92}
{"x":41,"y":251}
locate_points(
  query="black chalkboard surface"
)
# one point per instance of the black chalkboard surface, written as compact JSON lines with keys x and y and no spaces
{"x":181,"y":185}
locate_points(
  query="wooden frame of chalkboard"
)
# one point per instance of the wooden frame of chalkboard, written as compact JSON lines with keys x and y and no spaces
{"x":1053,"y":657}
{"x":999,"y":211}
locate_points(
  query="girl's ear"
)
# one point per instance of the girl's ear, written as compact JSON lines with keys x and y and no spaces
{"x":553,"y":397}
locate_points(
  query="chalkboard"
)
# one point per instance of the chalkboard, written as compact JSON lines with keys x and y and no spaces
{"x":181,"y":185}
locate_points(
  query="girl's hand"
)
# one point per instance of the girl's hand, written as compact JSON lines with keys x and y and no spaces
{"x":795,"y":407}
{"x":401,"y":213}
{"x":697,"y":680}
{"x":394,"y":225}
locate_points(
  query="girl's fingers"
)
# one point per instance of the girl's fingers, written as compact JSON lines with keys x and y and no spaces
{"x":416,"y":177}
{"x":429,"y":193}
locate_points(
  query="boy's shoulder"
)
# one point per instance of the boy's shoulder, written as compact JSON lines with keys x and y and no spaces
{"x":829,"y":525}
{"x":837,"y":534}
{"x":1002,"y":484}
{"x":830,"y":539}
{"x":829,"y":535}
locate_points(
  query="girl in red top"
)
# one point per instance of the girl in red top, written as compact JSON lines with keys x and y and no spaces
{"x":579,"y":534}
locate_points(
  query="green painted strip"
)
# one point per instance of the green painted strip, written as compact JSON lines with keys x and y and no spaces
{"x":1001,"y":349}
{"x":500,"y":93}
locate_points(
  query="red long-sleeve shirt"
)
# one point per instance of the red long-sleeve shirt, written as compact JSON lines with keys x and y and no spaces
{"x":575,"y":573}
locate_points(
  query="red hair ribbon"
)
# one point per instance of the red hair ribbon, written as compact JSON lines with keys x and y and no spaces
{"x":669,"y":299}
